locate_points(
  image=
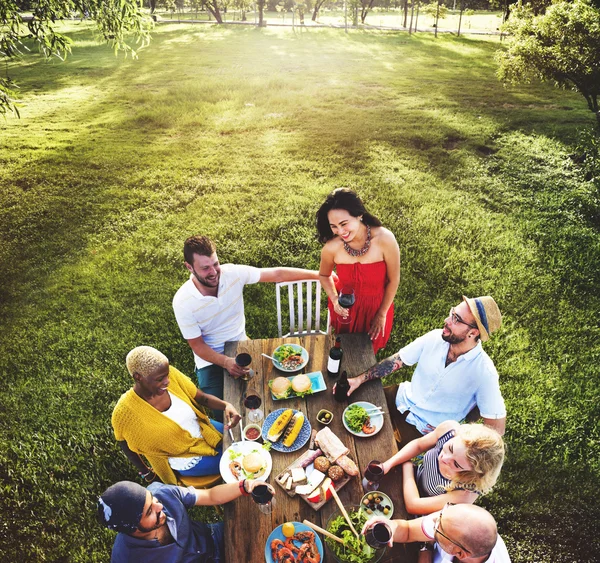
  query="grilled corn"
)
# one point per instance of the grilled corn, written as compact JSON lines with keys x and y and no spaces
{"x":279,"y":425}
{"x":293,"y":429}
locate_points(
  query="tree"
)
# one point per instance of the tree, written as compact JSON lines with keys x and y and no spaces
{"x":365,"y":6}
{"x":561,"y":46}
{"x":116,"y":20}
{"x":213,"y":7}
{"x":317,"y":8}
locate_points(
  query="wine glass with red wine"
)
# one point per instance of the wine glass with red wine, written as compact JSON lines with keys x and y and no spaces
{"x":373,"y":474}
{"x":346,"y":299}
{"x":252,"y":402}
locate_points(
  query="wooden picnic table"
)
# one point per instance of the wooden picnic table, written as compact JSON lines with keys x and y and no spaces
{"x":246,"y":528}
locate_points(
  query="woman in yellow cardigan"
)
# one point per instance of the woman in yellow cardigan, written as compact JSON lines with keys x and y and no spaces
{"x":159,"y":418}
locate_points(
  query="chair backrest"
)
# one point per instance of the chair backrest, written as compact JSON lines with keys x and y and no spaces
{"x":304,"y":301}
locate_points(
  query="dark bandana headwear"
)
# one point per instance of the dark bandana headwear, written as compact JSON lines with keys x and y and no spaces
{"x":120,"y":507}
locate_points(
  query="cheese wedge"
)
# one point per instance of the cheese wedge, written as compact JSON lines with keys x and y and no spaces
{"x":315,"y":479}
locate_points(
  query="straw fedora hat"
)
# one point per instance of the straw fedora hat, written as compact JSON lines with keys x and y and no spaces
{"x":486,"y":313}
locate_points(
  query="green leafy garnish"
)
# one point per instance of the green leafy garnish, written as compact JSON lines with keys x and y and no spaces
{"x":285,"y":351}
{"x":354,"y":550}
{"x":355,"y":417}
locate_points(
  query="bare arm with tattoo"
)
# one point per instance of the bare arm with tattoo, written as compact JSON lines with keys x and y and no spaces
{"x":383,"y":368}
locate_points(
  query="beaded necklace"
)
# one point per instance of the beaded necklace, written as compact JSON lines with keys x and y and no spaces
{"x":363,"y":250}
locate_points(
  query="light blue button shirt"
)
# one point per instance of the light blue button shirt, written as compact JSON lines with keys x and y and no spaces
{"x":437,"y":393}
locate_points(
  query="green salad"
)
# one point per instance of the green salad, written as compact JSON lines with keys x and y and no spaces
{"x":354,"y":550}
{"x":355,"y":417}
{"x":285,"y":351}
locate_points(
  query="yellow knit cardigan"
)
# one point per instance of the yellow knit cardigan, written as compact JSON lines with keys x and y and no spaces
{"x":149,"y":432}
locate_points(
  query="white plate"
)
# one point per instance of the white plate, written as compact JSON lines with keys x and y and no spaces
{"x":243,"y":448}
{"x":376,"y":419}
{"x":297,"y":348}
{"x":387,"y":501}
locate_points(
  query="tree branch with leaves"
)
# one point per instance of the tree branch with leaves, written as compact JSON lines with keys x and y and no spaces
{"x":119,"y":21}
{"x":561,"y":46}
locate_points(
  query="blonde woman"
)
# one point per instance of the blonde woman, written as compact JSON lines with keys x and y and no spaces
{"x":160,"y":417}
{"x":460,"y":462}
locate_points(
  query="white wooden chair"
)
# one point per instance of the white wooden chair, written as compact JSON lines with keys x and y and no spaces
{"x":306,"y":319}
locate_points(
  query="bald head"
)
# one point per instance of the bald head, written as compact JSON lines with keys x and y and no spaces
{"x":472,"y":526}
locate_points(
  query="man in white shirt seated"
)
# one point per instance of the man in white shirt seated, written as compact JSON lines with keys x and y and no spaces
{"x":454,"y":375}
{"x":209,"y":308}
{"x":460,"y":532}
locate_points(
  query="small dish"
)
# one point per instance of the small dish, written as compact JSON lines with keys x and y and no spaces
{"x":375,"y":418}
{"x":385,"y":502}
{"x":325,"y":417}
{"x":256,"y":434}
{"x":297,"y":350}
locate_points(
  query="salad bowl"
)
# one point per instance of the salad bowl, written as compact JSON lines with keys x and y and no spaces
{"x":355,"y":550}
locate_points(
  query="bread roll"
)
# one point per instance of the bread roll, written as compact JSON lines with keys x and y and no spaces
{"x":280,"y":386}
{"x":301,"y":383}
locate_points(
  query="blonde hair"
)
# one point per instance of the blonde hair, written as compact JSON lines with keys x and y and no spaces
{"x":484,"y":448}
{"x":144,"y":359}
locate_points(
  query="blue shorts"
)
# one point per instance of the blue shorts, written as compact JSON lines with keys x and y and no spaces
{"x":208,"y":465}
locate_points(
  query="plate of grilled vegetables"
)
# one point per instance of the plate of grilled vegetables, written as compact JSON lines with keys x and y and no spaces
{"x":287,"y":430}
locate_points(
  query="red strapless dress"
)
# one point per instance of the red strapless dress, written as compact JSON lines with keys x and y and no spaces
{"x":368,"y":281}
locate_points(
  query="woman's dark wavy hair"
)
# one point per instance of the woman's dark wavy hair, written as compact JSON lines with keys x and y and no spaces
{"x":342,"y":198}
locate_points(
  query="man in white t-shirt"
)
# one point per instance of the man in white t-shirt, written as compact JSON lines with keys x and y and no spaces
{"x":209,"y":308}
{"x":461,"y":532}
{"x":454,"y":377}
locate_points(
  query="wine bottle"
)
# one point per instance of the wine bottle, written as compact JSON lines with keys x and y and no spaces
{"x":341,"y":388}
{"x":335,"y":358}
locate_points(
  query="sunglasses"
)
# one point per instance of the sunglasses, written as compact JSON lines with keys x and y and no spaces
{"x":438,"y":530}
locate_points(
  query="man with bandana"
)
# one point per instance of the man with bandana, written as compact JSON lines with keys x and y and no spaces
{"x":454,"y":377}
{"x":153,"y":524}
{"x":209,"y":308}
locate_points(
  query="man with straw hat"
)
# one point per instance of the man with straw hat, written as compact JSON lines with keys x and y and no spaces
{"x":454,"y":377}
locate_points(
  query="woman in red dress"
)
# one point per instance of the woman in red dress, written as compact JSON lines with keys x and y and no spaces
{"x":366,"y":257}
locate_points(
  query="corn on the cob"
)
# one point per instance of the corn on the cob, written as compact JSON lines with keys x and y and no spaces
{"x":293,"y":429}
{"x":279,"y":425}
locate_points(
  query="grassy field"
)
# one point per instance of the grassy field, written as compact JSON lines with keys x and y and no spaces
{"x":240,"y":133}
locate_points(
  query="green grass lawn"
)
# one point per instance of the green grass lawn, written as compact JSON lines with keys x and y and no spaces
{"x":239,"y":133}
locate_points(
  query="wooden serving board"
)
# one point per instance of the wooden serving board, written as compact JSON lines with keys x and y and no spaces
{"x":292,"y":493}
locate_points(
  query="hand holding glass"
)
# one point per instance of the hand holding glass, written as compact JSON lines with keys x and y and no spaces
{"x":373,"y":474}
{"x":346,"y":299}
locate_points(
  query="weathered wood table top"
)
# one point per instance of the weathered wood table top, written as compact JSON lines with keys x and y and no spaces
{"x":246,"y":528}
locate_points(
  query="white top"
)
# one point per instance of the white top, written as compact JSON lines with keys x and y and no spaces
{"x":217,"y":319}
{"x":437,"y":393}
{"x":499,"y":553}
{"x":181,"y":413}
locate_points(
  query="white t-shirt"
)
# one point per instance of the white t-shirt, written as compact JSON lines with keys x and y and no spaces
{"x":499,"y":553}
{"x":181,"y":413}
{"x":217,"y":319}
